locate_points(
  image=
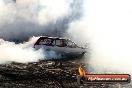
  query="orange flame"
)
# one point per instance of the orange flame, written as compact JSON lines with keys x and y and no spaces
{"x":82,"y":72}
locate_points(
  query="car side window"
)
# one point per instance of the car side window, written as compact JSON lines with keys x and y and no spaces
{"x":45,"y":42}
{"x":53,"y":43}
{"x":58,"y":42}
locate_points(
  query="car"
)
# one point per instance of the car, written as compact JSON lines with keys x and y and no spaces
{"x":61,"y":46}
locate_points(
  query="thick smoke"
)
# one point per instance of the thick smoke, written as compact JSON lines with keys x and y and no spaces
{"x":9,"y":51}
{"x":22,"y":19}
{"x":25,"y":18}
{"x":107,"y":26}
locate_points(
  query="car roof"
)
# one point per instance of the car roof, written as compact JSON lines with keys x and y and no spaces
{"x":44,"y":37}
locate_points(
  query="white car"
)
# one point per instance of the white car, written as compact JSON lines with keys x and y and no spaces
{"x":65,"y":47}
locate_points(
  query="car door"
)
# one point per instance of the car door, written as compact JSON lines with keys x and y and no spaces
{"x":58,"y":45}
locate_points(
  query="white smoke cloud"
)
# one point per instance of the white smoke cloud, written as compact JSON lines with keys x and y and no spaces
{"x":107,"y":26}
{"x":51,"y":10}
{"x":39,"y":17}
{"x":41,"y":11}
{"x":9,"y":51}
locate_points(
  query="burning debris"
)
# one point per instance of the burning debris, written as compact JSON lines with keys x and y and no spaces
{"x":81,"y":71}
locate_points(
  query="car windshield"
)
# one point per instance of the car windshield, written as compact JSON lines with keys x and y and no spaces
{"x":71,"y":44}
